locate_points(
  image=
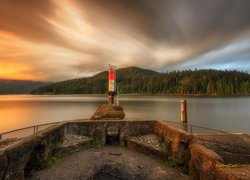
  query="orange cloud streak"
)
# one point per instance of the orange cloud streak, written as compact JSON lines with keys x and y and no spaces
{"x":18,"y":71}
{"x":9,"y":35}
{"x":12,"y":46}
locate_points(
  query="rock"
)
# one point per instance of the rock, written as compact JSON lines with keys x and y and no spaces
{"x":108,"y":111}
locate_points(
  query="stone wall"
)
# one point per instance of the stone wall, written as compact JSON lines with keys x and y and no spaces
{"x":176,"y":140}
{"x":232,"y":148}
{"x":98,"y":128}
{"x":224,"y":156}
{"x":202,"y":164}
{"x":22,"y":156}
{"x":19,"y":158}
{"x":207,"y":157}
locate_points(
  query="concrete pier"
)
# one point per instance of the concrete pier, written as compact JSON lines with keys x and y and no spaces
{"x":211,"y":156}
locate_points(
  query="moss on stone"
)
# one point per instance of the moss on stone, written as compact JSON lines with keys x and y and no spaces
{"x":169,"y":163}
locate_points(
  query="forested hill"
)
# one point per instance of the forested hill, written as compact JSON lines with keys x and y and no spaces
{"x":18,"y":86}
{"x":133,"y":80}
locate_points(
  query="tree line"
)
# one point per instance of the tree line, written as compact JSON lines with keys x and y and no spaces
{"x":134,"y":80}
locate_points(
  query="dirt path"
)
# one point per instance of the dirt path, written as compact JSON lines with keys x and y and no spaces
{"x":109,"y":163}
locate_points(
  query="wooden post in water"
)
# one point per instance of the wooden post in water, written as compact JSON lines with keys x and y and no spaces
{"x":1,"y":136}
{"x":183,"y":111}
{"x":184,"y":114}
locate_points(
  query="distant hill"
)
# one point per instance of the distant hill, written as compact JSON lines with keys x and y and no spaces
{"x":134,"y":80}
{"x":18,"y":86}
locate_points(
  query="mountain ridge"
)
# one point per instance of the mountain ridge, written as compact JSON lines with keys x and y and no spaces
{"x":12,"y":86}
{"x":134,"y":80}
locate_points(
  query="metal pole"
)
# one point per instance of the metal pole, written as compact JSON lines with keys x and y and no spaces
{"x":117,"y":97}
{"x":111,"y":98}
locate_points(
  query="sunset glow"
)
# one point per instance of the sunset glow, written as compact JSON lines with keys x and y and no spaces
{"x":83,"y":76}
{"x":54,"y":40}
{"x":16,"y":71}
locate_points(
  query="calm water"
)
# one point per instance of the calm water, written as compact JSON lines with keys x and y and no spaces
{"x":230,"y":114}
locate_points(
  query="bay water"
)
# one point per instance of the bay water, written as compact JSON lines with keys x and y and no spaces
{"x":227,"y":113}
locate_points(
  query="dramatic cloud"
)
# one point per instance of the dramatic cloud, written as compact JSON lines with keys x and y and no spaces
{"x":60,"y":39}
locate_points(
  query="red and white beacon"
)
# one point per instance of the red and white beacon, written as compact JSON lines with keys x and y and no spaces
{"x":112,"y":84}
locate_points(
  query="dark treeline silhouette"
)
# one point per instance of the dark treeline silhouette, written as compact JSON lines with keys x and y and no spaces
{"x":19,"y":86}
{"x":133,"y":80}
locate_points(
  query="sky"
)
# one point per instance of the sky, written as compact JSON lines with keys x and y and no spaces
{"x":54,"y":40}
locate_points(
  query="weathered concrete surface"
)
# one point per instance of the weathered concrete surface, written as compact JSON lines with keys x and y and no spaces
{"x":5,"y":143}
{"x":119,"y":162}
{"x":74,"y":143}
{"x":108,"y":111}
{"x":233,"y":172}
{"x":220,"y":157}
{"x":207,"y":157}
{"x":233,"y":148}
{"x":18,"y":159}
{"x":3,"y":164}
{"x":176,"y":140}
{"x":149,"y":145}
{"x":202,"y":164}
{"x":98,"y":128}
{"x":18,"y":155}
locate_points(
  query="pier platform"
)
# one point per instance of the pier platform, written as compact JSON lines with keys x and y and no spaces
{"x":119,"y":148}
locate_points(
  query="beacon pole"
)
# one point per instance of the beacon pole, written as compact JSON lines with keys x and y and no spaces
{"x":112,"y":84}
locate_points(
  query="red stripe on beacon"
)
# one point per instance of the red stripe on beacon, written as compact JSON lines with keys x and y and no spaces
{"x":111,"y":75}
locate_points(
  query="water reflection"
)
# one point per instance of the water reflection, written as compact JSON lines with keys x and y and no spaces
{"x":230,"y":114}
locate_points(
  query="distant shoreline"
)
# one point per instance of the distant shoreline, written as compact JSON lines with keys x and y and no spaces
{"x":149,"y":95}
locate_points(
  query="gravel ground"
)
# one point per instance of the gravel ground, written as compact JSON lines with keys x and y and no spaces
{"x":151,"y":140}
{"x":109,"y":163}
{"x":70,"y":139}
